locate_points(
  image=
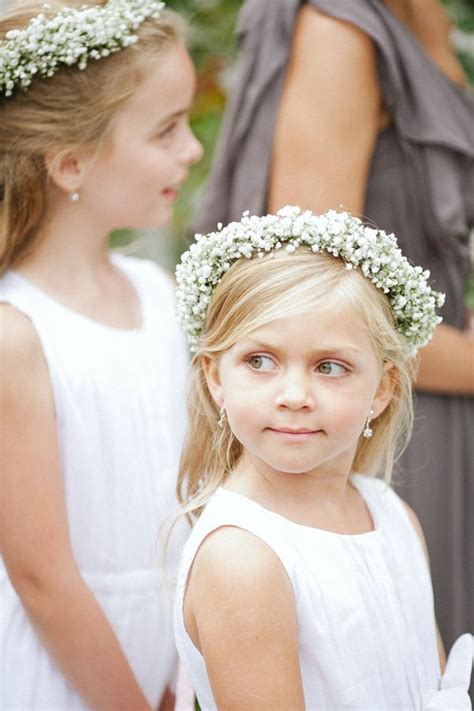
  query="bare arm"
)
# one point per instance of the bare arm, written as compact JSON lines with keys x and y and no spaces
{"x":417,"y":526}
{"x":447,"y":363}
{"x":330,"y":115}
{"x":34,"y":536}
{"x":240,"y":612}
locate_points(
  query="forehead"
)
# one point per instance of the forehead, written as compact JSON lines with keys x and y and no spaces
{"x":324,"y":328}
{"x":167,"y":88}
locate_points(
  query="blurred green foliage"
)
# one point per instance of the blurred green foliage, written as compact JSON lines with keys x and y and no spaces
{"x":462,"y":14}
{"x":213,"y":48}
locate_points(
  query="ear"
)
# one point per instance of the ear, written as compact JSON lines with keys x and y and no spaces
{"x":66,"y":169}
{"x":210,"y":368}
{"x":385,"y":389}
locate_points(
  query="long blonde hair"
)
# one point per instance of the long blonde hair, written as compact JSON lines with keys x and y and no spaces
{"x":253,"y":293}
{"x":73,"y":108}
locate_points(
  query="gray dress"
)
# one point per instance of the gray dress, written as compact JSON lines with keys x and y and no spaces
{"x":421,"y":187}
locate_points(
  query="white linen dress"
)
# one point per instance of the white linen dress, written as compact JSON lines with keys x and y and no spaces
{"x":364,"y":603}
{"x":119,"y":402}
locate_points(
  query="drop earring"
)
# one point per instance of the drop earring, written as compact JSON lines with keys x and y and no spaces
{"x":74,"y":196}
{"x":222,"y":416}
{"x":368,"y":431}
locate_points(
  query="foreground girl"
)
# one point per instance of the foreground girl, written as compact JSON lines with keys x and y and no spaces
{"x":305,"y":583}
{"x":94,"y":136}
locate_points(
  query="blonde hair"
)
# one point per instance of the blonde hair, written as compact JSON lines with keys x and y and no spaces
{"x":253,"y":293}
{"x":73,"y":108}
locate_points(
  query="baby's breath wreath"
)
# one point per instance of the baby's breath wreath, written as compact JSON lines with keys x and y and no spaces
{"x":374,"y":252}
{"x":71,"y":36}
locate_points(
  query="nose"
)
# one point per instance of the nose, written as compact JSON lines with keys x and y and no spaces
{"x":193,"y":150}
{"x":295,"y":393}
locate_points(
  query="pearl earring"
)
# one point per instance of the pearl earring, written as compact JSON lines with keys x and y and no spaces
{"x":368,"y":431}
{"x":74,"y":196}
{"x":221,"y":421}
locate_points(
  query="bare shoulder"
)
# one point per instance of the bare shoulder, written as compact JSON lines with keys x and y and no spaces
{"x":335,"y":63}
{"x":231,"y":555}
{"x":242,"y":617}
{"x":21,"y":353}
{"x":19,"y":341}
{"x":319,"y":33}
{"x":235,"y":570}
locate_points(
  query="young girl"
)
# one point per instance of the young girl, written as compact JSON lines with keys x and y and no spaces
{"x":94,"y":114}
{"x":305,"y":584}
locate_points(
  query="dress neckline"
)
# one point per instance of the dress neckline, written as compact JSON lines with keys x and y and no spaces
{"x":105,"y":327}
{"x":355,"y":480}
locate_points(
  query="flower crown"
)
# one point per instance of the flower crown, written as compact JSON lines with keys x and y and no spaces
{"x":375,"y":253}
{"x":69,"y":36}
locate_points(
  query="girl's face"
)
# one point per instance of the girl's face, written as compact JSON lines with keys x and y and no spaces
{"x":135,"y":176}
{"x":298,"y":390}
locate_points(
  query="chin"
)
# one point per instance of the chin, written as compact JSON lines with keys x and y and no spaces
{"x":292,"y":468}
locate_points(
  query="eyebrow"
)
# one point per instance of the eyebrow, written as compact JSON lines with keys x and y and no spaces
{"x":337,"y":348}
{"x":172,"y":116}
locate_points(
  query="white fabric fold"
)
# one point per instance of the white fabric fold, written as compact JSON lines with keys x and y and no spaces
{"x":453,"y":693}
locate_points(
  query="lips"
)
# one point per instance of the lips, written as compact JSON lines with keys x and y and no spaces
{"x":293,"y":430}
{"x":293,"y":434}
{"x":170,"y":193}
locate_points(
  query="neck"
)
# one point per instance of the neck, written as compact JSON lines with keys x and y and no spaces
{"x":66,"y":246}
{"x":327,"y":484}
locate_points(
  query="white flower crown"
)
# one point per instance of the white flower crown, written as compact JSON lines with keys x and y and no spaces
{"x":340,"y":234}
{"x":70,"y":36}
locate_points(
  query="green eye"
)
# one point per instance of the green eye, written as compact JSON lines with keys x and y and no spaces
{"x":331,"y":368}
{"x":261,"y":362}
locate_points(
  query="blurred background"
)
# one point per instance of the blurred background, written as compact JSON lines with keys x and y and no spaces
{"x":212,"y":44}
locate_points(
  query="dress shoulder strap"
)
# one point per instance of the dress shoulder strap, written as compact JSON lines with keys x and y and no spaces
{"x":391,"y":516}
{"x":18,"y":292}
{"x":154,"y":285}
{"x":227,"y":508}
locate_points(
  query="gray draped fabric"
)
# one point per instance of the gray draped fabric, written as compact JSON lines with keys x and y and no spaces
{"x":421,"y":187}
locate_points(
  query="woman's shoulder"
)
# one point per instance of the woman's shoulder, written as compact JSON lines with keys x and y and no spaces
{"x":332,"y":35}
{"x":338,"y":17}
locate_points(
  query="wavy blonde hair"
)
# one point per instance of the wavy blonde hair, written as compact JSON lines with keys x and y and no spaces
{"x":253,"y":293}
{"x":71,"y":109}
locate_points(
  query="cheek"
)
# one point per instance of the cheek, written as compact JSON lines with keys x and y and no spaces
{"x":348,"y":415}
{"x":244,"y":405}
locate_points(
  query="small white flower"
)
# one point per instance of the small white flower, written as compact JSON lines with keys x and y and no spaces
{"x":70,"y":36}
{"x":374,"y":252}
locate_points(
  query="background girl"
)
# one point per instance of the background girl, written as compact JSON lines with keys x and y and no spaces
{"x":92,"y":362}
{"x":305,"y":581}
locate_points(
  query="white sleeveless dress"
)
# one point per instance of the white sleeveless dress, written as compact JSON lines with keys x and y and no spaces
{"x":119,"y":400}
{"x":364,"y":603}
